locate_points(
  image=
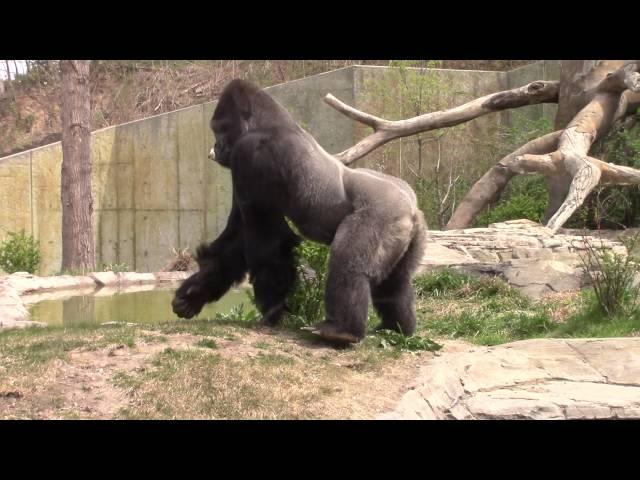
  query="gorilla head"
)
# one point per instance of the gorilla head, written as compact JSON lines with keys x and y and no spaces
{"x":279,"y":171}
{"x":240,"y":109}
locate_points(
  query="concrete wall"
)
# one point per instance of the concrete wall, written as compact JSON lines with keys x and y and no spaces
{"x":401,"y":158}
{"x":155,"y":189}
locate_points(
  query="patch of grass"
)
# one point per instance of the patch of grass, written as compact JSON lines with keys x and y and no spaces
{"x":125,"y":380}
{"x":389,"y":339}
{"x":207,"y":343}
{"x":153,"y":338}
{"x":449,"y":283}
{"x":440,"y":283}
{"x":591,"y":321}
{"x":488,"y":311}
{"x":197,"y":384}
{"x":35,"y":346}
{"x":486,"y":326}
{"x":273,"y":359}
{"x":482,"y":310}
{"x":203,"y":327}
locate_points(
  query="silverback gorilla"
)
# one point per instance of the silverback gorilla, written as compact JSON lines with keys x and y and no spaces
{"x":371,"y":220}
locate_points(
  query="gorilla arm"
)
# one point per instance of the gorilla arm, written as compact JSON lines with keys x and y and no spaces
{"x":221,"y":264}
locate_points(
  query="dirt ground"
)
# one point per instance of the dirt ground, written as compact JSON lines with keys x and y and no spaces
{"x":327,"y":383}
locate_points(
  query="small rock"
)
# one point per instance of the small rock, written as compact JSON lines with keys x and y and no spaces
{"x":11,"y":394}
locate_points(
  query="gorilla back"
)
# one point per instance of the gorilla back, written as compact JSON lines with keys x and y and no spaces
{"x":371,"y":220}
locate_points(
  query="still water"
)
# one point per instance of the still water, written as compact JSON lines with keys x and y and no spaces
{"x":152,"y":306}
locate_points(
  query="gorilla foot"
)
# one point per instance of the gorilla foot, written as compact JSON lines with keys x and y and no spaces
{"x":332,"y":333}
{"x":273,"y":316}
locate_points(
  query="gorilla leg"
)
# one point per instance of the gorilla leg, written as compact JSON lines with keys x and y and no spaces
{"x":393,"y":297}
{"x":370,"y":247}
{"x":269,"y":249}
{"x":366,"y":246}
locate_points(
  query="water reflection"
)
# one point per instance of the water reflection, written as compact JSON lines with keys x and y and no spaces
{"x":152,"y":306}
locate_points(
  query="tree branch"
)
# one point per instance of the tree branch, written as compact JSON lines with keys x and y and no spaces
{"x":491,"y":185}
{"x":386,"y":130}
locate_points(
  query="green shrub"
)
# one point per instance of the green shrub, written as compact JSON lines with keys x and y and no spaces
{"x":389,"y":339}
{"x":306,"y":300}
{"x":612,"y":276}
{"x":19,"y":253}
{"x":237,"y":314}
{"x":589,"y":321}
{"x":525,"y":197}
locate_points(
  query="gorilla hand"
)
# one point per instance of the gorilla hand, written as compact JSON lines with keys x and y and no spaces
{"x":190,"y":297}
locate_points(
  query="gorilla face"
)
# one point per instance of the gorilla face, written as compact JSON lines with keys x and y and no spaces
{"x":227,"y":134}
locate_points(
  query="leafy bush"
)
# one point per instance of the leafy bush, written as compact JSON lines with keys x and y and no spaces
{"x":612,"y":276}
{"x":588,"y":321}
{"x":389,"y":339}
{"x":19,"y":253}
{"x":237,"y":314}
{"x":526,"y":197}
{"x":306,"y":300}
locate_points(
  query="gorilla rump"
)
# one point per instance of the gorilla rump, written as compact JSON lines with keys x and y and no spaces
{"x":371,"y":221}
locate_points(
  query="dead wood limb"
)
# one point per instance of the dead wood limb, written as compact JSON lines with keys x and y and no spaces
{"x":568,"y":158}
{"x":490,"y":186}
{"x":386,"y":130}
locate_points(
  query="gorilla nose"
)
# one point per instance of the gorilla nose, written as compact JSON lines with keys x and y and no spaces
{"x":212,"y":154}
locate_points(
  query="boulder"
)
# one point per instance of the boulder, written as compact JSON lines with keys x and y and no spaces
{"x":523,"y":253}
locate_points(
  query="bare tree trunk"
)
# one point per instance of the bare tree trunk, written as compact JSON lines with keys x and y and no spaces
{"x":577,"y":79}
{"x":486,"y":190}
{"x":78,"y":252}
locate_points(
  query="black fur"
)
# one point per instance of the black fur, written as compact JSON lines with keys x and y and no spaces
{"x":371,"y":221}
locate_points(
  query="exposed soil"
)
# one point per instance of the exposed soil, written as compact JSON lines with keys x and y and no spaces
{"x":82,"y":386}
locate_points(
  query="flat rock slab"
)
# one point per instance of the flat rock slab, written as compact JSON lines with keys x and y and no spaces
{"x":23,"y":282}
{"x":532,"y":379}
{"x":172,"y":276}
{"x":534,"y":278}
{"x":523,"y":253}
{"x":13,"y":314}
